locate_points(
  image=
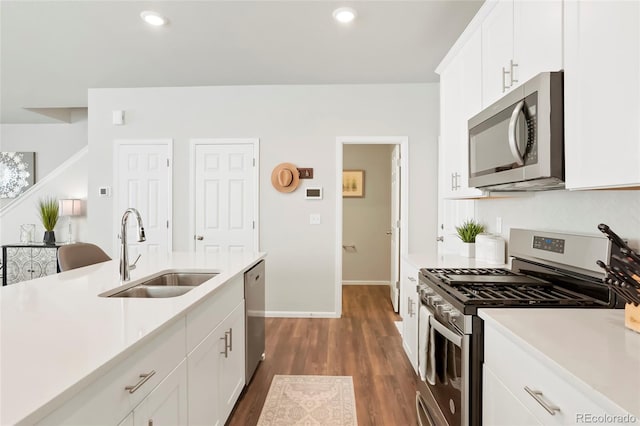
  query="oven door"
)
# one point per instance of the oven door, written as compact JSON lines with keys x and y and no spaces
{"x":447,"y":371}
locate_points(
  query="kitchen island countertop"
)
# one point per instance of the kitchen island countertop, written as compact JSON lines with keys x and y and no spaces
{"x":57,"y":334}
{"x":589,"y":348}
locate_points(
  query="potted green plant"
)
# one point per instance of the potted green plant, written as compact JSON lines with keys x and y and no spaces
{"x":48,"y":210}
{"x":467,"y":232}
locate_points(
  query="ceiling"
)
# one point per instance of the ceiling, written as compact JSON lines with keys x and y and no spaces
{"x":53,"y":51}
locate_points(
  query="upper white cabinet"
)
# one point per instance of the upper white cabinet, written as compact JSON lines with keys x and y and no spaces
{"x":460,"y":98}
{"x":602,"y":94}
{"x":519,"y":40}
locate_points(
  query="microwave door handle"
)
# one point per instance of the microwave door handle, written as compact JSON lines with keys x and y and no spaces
{"x":513,"y":143}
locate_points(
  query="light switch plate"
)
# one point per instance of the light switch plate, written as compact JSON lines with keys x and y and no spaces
{"x":314,"y":219}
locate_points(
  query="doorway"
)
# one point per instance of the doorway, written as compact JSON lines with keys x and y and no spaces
{"x":224,"y":195}
{"x":371,"y":221}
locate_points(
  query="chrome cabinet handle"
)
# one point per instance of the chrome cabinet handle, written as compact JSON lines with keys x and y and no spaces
{"x":504,"y":79}
{"x":226,"y":344}
{"x":513,"y":143}
{"x":512,"y":65}
{"x":453,"y":180}
{"x":413,"y":312}
{"x":230,"y":339}
{"x":409,"y":306}
{"x":411,"y":279}
{"x":457,"y":181}
{"x":537,"y":395}
{"x":143,"y":380}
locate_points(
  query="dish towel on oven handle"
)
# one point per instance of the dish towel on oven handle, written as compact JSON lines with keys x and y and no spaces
{"x":426,"y":347}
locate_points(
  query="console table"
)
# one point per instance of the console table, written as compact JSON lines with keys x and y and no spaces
{"x":21,"y":262}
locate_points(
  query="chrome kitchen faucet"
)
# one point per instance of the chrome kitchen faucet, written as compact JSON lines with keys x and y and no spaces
{"x":124,"y":252}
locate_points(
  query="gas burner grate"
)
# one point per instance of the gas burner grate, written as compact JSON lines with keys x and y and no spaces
{"x":467,"y":271}
{"x":518,"y":295}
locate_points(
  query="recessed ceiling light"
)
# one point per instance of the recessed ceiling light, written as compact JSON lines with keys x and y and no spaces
{"x":153,"y":18}
{"x":344,"y":14}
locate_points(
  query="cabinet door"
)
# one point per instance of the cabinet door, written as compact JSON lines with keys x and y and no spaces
{"x":602,"y":94}
{"x":409,"y":280}
{"x":499,"y":406}
{"x":232,"y":365}
{"x":44,"y":261}
{"x":216,"y":371}
{"x":167,"y":403}
{"x":460,"y":99}
{"x":537,"y":42}
{"x":497,"y":51}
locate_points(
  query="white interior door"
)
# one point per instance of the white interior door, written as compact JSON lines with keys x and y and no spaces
{"x":395,"y":229}
{"x":224,"y":198}
{"x":143,"y":173}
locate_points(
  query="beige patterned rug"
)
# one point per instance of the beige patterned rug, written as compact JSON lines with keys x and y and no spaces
{"x":309,"y":400}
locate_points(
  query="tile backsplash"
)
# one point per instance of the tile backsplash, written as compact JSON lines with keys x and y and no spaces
{"x":568,"y":211}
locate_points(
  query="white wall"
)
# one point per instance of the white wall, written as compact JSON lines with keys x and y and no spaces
{"x":365,"y":220}
{"x":573,"y":211}
{"x":297,"y":124}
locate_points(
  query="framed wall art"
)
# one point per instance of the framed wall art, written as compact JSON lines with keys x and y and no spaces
{"x":17,"y":173}
{"x":353,"y":183}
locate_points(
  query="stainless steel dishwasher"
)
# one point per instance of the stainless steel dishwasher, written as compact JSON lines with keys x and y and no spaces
{"x":254,"y":318}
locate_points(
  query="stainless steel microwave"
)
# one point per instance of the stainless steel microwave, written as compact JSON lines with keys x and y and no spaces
{"x":517,"y":144}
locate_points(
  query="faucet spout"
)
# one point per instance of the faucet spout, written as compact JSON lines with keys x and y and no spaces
{"x":124,"y":252}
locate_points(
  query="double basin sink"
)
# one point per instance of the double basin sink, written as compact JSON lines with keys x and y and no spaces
{"x":169,"y":284}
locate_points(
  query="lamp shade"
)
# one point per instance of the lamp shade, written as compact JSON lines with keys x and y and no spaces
{"x":70,"y":207}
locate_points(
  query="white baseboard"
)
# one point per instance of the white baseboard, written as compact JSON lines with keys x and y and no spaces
{"x":364,"y":282}
{"x":293,"y":314}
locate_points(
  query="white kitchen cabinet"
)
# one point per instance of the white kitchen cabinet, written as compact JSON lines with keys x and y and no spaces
{"x":409,"y":310}
{"x":216,"y":371}
{"x":166,"y":405}
{"x":112,"y":397}
{"x":602,"y":94}
{"x":460,"y":98}
{"x":539,"y":389}
{"x":500,"y":407}
{"x":519,"y":40}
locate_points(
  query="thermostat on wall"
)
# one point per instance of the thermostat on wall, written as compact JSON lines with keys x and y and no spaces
{"x":313,"y":193}
{"x":104,"y":191}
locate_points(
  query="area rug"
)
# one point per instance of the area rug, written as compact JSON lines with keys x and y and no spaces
{"x":309,"y":400}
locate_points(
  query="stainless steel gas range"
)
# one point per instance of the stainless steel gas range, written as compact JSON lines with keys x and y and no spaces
{"x":549,"y":269}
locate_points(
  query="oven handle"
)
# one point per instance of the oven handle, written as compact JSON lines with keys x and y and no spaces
{"x":513,"y":143}
{"x":421,"y":407}
{"x":448,"y":334}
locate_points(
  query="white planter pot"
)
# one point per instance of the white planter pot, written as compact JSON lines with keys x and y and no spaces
{"x":468,"y":250}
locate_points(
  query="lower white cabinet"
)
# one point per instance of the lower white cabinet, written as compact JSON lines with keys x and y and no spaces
{"x":519,"y":388}
{"x":216,"y":371}
{"x":165,"y":405}
{"x":409,"y":310}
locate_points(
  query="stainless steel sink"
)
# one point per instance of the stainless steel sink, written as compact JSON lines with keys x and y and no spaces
{"x":171,"y":284}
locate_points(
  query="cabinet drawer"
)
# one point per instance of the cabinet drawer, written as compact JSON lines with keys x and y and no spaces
{"x":105,"y":401}
{"x":205,"y":317}
{"x":518,"y":369}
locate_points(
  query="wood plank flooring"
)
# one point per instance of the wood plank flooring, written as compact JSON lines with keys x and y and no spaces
{"x":364,"y":344}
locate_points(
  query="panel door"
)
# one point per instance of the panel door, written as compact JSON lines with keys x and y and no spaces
{"x":144,"y":183}
{"x":499,"y":406}
{"x":410,"y":311}
{"x":224,"y":198}
{"x":394,"y":281}
{"x":203,"y":375}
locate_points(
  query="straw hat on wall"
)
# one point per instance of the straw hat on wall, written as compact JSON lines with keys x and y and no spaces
{"x":285,"y":177}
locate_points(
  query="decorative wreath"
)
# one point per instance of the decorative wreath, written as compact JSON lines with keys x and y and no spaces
{"x":14,"y":176}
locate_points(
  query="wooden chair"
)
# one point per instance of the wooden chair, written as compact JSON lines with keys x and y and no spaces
{"x":78,"y":255}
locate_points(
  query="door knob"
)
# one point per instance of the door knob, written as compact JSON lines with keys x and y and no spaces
{"x":388,"y":232}
{"x":198,"y":237}
{"x":439,"y":238}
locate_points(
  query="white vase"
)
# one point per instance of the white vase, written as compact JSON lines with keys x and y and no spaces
{"x":468,"y":249}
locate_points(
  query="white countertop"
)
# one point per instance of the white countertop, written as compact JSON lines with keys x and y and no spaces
{"x":57,"y":334}
{"x":421,"y":260}
{"x":590,"y":348}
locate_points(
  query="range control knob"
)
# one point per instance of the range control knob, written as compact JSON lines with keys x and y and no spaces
{"x":434,"y":300}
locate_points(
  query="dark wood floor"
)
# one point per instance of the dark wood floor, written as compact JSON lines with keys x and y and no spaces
{"x":364,"y":344}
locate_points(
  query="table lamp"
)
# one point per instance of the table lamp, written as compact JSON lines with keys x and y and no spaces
{"x":70,"y":207}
